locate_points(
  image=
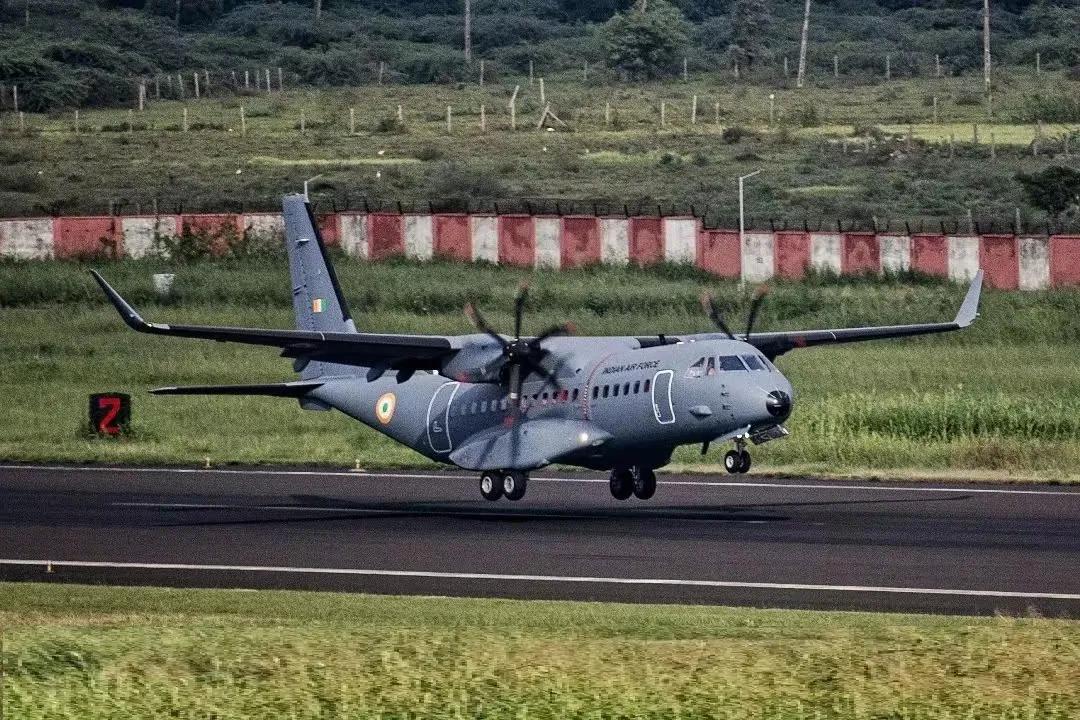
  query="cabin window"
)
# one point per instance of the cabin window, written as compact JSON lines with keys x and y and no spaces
{"x":626,"y":389}
{"x":472,"y":409}
{"x":503,"y":404}
{"x":752,"y":362}
{"x":595,"y":392}
{"x":483,"y":406}
{"x":574,"y":395}
{"x":730,"y":362}
{"x":648,"y":384}
{"x":615,"y":391}
{"x":607,"y":389}
{"x":697,"y":369}
{"x":637,"y":386}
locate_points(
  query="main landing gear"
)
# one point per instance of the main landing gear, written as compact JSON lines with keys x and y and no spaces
{"x":737,"y":460}
{"x":511,"y":485}
{"x":638,"y":481}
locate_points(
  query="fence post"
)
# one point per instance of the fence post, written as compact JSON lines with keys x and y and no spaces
{"x":481,"y":73}
{"x":449,"y":120}
{"x":247,"y":79}
{"x":195,"y":77}
{"x":280,"y":81}
{"x":352,"y":121}
{"x":269,"y":90}
{"x":76,"y":122}
{"x":530,"y":72}
{"x":513,"y":108}
{"x":836,"y":66}
{"x":243,"y":122}
{"x":543,"y":95}
{"x":693,"y":111}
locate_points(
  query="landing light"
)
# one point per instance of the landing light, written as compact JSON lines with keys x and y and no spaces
{"x":583,"y":438}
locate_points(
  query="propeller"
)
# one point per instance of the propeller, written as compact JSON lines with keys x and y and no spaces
{"x":521,"y":356}
{"x":708,"y":302}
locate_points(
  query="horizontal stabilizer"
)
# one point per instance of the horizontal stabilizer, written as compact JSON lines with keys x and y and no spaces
{"x":287,"y":389}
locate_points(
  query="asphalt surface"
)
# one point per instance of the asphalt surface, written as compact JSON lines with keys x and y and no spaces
{"x":950,"y":548}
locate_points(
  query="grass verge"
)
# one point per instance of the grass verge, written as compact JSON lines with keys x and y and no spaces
{"x":1000,"y":398}
{"x":90,"y":652}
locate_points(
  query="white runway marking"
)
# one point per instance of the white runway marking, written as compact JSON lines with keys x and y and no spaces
{"x":448,"y":476}
{"x":503,"y":577}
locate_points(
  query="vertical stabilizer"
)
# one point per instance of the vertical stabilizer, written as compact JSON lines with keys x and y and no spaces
{"x":317,"y":299}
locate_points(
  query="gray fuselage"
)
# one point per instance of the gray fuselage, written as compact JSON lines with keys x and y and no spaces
{"x":650,"y":400}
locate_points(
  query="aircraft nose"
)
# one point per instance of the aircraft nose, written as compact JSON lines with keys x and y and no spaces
{"x":778,"y":403}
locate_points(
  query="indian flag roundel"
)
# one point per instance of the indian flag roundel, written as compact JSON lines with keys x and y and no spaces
{"x":384,"y":407}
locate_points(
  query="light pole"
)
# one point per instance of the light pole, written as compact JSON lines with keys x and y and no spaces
{"x":742,"y":215}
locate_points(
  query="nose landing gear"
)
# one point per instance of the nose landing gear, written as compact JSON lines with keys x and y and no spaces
{"x":737,"y":461}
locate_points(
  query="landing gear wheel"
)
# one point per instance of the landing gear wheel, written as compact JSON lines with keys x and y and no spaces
{"x":514,"y":484}
{"x":621,"y":483}
{"x":744,"y":463}
{"x":491,"y":485}
{"x":733,"y":461}
{"x":644,"y":483}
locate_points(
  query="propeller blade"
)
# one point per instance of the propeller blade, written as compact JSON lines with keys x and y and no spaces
{"x":519,"y":307}
{"x":755,"y":306}
{"x":481,"y":324}
{"x":549,"y":377}
{"x":555,"y":331}
{"x":708,"y":302}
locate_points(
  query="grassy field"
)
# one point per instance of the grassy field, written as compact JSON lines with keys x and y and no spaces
{"x":634,"y":159}
{"x":72,"y":651}
{"x":1001,"y":398}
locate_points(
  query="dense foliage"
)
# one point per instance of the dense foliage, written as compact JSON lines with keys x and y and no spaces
{"x":66,"y":53}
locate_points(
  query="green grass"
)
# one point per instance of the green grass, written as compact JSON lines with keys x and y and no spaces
{"x":633,"y":160}
{"x":89,"y":652}
{"x":1002,"y":397}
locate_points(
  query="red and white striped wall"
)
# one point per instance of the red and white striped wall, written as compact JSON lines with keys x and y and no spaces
{"x":1010,"y":262}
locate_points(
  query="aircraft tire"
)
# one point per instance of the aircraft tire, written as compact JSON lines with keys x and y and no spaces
{"x":621,"y":483}
{"x":644,"y":483}
{"x":491,"y":485}
{"x":744,"y":462}
{"x":733,"y":461}
{"x":514,"y":484}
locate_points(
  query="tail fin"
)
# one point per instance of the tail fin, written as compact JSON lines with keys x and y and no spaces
{"x":317,"y":299}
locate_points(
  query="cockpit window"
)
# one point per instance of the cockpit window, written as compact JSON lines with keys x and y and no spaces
{"x":752,"y":362}
{"x":697,"y":369}
{"x":730,"y":362}
{"x":768,"y":364}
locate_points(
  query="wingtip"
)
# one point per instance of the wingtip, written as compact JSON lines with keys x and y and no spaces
{"x":969,"y":310}
{"x":127,"y":313}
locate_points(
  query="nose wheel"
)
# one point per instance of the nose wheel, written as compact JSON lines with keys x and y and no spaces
{"x":737,"y":461}
{"x":511,"y":485}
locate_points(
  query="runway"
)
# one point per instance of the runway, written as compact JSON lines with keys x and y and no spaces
{"x":731,"y":540}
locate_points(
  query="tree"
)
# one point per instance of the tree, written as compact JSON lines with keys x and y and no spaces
{"x":1053,"y":190}
{"x":750,"y":20}
{"x":647,"y":40}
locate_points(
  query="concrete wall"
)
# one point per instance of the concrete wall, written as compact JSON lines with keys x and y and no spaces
{"x":1009,"y":262}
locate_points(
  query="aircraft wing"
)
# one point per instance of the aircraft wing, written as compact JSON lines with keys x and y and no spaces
{"x":527,"y":445}
{"x":418,"y":352}
{"x":773,"y":344}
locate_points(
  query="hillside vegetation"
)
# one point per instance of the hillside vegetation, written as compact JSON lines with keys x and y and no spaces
{"x":858,"y":147}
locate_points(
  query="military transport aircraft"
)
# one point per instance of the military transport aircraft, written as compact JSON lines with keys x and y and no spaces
{"x":505,"y":405}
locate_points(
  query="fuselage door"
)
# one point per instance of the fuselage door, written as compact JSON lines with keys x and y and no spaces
{"x":438,"y":418}
{"x":661,"y":397}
